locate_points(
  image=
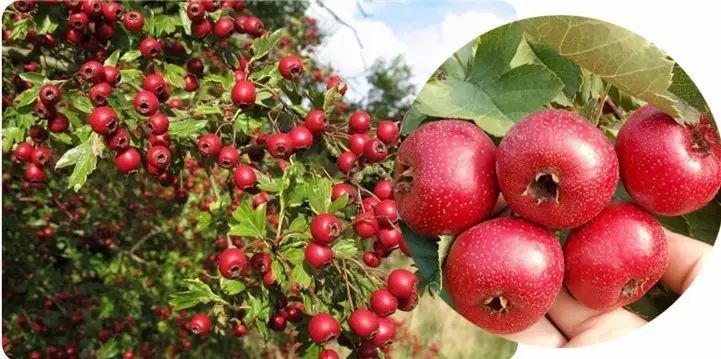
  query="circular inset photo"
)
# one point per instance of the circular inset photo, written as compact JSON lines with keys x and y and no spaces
{"x":558,"y":181}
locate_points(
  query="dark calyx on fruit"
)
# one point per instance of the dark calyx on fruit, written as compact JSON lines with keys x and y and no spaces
{"x":497,"y":304}
{"x":544,"y":188}
{"x":405,"y":180}
{"x":632,"y":287}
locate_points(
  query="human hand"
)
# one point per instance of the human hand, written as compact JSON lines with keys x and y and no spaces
{"x":571,"y":324}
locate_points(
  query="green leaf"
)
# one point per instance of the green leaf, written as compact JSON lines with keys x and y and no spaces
{"x":345,"y":248}
{"x":493,"y":54}
{"x":186,"y":128}
{"x":457,"y":65}
{"x":620,"y":57}
{"x":278,"y":272}
{"x":704,"y":223}
{"x":411,"y":121}
{"x":497,"y":106}
{"x":319,"y":193}
{"x":84,"y":158}
{"x":428,"y":255}
{"x":11,"y":136}
{"x":34,"y":78}
{"x":569,"y":73}
{"x":269,"y":184}
{"x":20,"y":28}
{"x":83,"y":104}
{"x":223,"y":80}
{"x":248,"y":222}
{"x":185,"y":20}
{"x":47,"y":26}
{"x":683,"y":87}
{"x":130,"y":56}
{"x":130,"y":75}
{"x":197,"y":293}
{"x":339,"y":203}
{"x":28,"y":96}
{"x":204,"y":219}
{"x":207,"y":110}
{"x":231,"y":286}
{"x":112,"y":60}
{"x":262,"y":45}
{"x":106,"y":307}
{"x":301,"y":275}
{"x":310,"y":350}
{"x":109,"y":350}
{"x":174,"y":74}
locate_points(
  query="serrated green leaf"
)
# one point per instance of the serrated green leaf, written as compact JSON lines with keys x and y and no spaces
{"x":47,"y":26}
{"x":683,"y":87}
{"x":493,"y":54}
{"x":345,"y":248}
{"x":130,"y":75}
{"x":11,"y":136}
{"x":299,"y":223}
{"x":20,"y":28}
{"x":112,"y":60}
{"x":109,"y":350}
{"x":569,"y":73}
{"x":301,"y":275}
{"x":223,"y":80}
{"x":84,"y":158}
{"x":204,"y":219}
{"x":262,"y":45}
{"x":497,"y":106}
{"x":278,"y":272}
{"x":174,"y":74}
{"x":83,"y":104}
{"x":620,"y":57}
{"x":34,"y":78}
{"x":704,"y":223}
{"x":130,"y":56}
{"x":339,"y":203}
{"x":248,"y":222}
{"x":207,"y":110}
{"x":428,"y":255}
{"x":28,"y":96}
{"x":231,"y":286}
{"x":270,"y":184}
{"x":186,"y":128}
{"x":197,"y":293}
{"x":319,"y":193}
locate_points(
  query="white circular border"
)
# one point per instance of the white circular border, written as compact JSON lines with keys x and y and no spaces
{"x":683,"y":30}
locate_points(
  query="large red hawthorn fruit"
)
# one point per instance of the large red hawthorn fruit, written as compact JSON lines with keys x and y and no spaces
{"x":363,"y":323}
{"x":504,"y":274}
{"x":200,"y":324}
{"x":323,"y":327}
{"x":668,"y":168}
{"x":556,"y":169}
{"x":616,"y":258}
{"x":232,"y":262}
{"x":445,"y":178}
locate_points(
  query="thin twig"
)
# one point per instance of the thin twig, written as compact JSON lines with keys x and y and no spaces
{"x":342,"y":22}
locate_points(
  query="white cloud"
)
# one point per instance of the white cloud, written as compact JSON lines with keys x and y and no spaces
{"x":424,"y":49}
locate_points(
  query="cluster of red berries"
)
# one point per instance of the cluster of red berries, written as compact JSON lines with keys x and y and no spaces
{"x":555,"y":170}
{"x":362,"y":148}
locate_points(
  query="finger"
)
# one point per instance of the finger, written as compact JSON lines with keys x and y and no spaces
{"x":573,"y":318}
{"x":604,"y":327}
{"x":686,"y":256}
{"x":543,"y":334}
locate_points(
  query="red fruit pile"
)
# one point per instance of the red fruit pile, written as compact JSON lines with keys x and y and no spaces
{"x":555,"y":170}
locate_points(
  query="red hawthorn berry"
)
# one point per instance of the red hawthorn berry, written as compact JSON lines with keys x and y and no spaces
{"x":325,"y":228}
{"x":146,"y":103}
{"x":133,"y":21}
{"x":209,"y":145}
{"x":359,"y":122}
{"x":158,"y":156}
{"x":240,"y":330}
{"x":375,"y":151}
{"x":128,"y":160}
{"x":279,"y":145}
{"x":232,"y":262}
{"x":50,"y":94}
{"x":24,"y":151}
{"x":363,"y":323}
{"x":154,"y":83}
{"x":119,"y":139}
{"x":190,"y":82}
{"x":302,"y":137}
{"x":78,"y":21}
{"x":371,"y":259}
{"x":44,"y":111}
{"x":243,"y":94}
{"x":318,"y":255}
{"x":92,"y":71}
{"x":38,"y":134}
{"x":94,"y":8}
{"x":253,"y":26}
{"x":290,"y":67}
{"x":195,"y":11}
{"x":345,"y":161}
{"x":357,"y":143}
{"x":201,"y":29}
{"x":223,"y":27}
{"x":112,"y":11}
{"x":200,"y":324}
{"x":158,"y":123}
{"x":244,"y":177}
{"x":341,"y":189}
{"x":99,"y":94}
{"x":401,"y":283}
{"x":228,"y":156}
{"x":150,"y":48}
{"x":112,"y":75}
{"x":336,"y":81}
{"x":365,"y":225}
{"x":41,"y":155}
{"x":387,"y":131}
{"x":159,"y":140}
{"x":383,"y":302}
{"x":195,"y":66}
{"x":315,"y":121}
{"x":103,"y":120}
{"x":322,"y":327}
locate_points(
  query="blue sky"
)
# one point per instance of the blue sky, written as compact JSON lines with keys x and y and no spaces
{"x":424,"y":32}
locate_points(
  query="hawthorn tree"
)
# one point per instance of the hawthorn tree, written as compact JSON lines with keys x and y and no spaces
{"x":180,"y":174}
